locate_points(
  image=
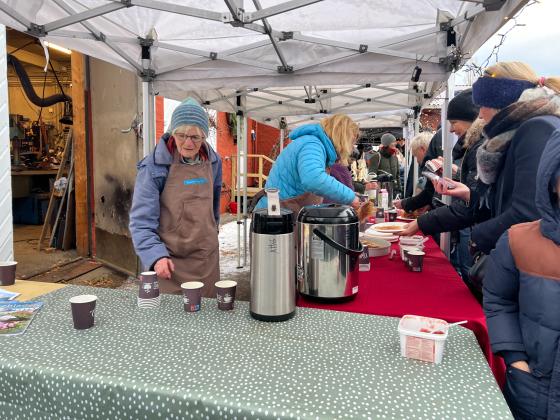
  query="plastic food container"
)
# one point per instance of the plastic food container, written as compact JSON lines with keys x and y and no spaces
{"x":377,"y":247}
{"x":423,"y":338}
{"x":416,"y":240}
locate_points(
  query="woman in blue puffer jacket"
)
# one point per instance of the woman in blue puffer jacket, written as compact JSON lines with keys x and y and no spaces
{"x":300,"y":171}
{"x":522,"y":299}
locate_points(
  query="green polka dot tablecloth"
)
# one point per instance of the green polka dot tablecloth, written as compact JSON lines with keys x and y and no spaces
{"x":167,"y":364}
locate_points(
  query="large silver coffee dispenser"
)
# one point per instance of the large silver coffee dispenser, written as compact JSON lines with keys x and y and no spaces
{"x":328,"y":252}
{"x":273,"y":283}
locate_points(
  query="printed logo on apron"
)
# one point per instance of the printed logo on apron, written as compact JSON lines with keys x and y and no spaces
{"x":195,"y":181}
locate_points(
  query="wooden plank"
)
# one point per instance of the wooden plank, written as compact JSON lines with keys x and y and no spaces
{"x":68,"y":272}
{"x":42,"y":271}
{"x":80,"y":155}
{"x":61,"y":169}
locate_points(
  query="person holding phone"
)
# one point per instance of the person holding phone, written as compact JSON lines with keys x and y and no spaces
{"x":521,"y":111}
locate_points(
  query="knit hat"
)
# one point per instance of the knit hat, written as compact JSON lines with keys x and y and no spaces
{"x":461,"y":107}
{"x":189,"y":112}
{"x":497,"y":92}
{"x":387,"y":139}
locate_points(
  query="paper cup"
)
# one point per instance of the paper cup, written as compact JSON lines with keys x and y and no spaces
{"x":225,"y":294}
{"x":192,"y":293}
{"x":149,"y":303}
{"x":7,"y":273}
{"x":149,"y":285}
{"x":416,"y":259}
{"x":392,"y":215}
{"x":83,"y":311}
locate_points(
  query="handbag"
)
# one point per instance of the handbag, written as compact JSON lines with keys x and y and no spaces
{"x":476,"y":274}
{"x":477,"y":270}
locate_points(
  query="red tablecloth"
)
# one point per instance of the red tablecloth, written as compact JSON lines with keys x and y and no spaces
{"x":390,"y":289}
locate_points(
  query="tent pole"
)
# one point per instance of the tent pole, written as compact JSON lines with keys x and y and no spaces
{"x":447,"y":143}
{"x":415,"y":173}
{"x":238,"y":189}
{"x":245,"y":172}
{"x":146,"y":117}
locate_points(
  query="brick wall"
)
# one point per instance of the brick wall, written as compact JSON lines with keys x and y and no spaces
{"x":430,"y":118}
{"x":159,"y":117}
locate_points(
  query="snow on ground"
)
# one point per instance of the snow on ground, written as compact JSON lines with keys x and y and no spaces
{"x":228,"y":250}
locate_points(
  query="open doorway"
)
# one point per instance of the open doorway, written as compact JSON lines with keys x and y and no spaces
{"x":40,"y":130}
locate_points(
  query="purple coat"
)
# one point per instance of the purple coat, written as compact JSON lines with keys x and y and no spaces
{"x":342,"y":174}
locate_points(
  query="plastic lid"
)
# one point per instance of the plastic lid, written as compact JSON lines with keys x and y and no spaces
{"x":263,"y":223}
{"x":330,"y":214}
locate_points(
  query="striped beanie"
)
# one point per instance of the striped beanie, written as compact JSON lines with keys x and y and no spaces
{"x":189,"y":112}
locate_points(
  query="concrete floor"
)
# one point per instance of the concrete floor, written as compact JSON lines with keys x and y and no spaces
{"x":30,"y":261}
{"x":38,"y":265}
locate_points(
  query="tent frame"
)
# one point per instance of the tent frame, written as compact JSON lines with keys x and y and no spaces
{"x":448,"y":58}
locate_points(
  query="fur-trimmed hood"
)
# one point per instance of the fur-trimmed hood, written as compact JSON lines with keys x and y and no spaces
{"x":474,"y":133}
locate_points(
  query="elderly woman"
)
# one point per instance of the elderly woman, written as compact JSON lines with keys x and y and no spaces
{"x":175,"y":208}
{"x":300,"y":171}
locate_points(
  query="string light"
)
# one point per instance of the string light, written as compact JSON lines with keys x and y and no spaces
{"x":478,"y":70}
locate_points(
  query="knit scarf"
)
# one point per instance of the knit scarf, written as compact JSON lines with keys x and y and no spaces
{"x":386,"y":151}
{"x":501,"y":129}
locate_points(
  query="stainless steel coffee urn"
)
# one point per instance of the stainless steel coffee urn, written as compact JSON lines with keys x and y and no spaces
{"x":273,"y":284}
{"x":328,"y":252}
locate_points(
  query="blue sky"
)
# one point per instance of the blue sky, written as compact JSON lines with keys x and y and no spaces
{"x":537,"y":43}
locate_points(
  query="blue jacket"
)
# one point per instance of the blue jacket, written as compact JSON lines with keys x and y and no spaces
{"x":144,"y":213}
{"x":522,"y":299}
{"x":300,"y":168}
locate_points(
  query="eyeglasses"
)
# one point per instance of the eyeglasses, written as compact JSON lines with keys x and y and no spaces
{"x":182,"y":137}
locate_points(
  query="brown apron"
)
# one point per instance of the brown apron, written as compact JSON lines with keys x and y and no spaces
{"x":188,"y":228}
{"x":295,"y":204}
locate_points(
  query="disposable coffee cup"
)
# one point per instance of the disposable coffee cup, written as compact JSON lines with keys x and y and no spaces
{"x":7,"y":273}
{"x":149,"y":285}
{"x":416,"y":259}
{"x":392,"y":215}
{"x":225,"y":294}
{"x":83,"y":311}
{"x":192,"y":293}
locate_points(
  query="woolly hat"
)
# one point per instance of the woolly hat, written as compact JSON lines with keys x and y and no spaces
{"x":461,"y":107}
{"x":189,"y":112}
{"x":498,"y":92}
{"x":387,"y":139}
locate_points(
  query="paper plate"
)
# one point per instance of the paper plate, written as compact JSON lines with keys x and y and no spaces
{"x":390,"y":227}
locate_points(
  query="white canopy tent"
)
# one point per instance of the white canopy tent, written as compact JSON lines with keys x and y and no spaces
{"x":281,"y":58}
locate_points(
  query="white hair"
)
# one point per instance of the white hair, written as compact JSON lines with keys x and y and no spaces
{"x":421,"y":140}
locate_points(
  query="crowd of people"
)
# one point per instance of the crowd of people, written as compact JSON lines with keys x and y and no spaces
{"x":504,"y":215}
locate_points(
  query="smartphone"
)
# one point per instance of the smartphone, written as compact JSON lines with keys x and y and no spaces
{"x":433,"y":177}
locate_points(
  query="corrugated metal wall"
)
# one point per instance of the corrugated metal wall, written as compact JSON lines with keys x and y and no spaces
{"x":6,"y":227}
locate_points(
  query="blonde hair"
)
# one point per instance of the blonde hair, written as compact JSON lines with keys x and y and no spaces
{"x":520,"y":71}
{"x":342,"y":131}
{"x":421,"y":140}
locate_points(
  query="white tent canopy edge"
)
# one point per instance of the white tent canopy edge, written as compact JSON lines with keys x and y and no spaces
{"x":320,"y":46}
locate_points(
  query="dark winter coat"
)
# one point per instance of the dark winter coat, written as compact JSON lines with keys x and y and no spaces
{"x":522,"y":300}
{"x":438,"y":220}
{"x":515,"y":184}
{"x":425,"y":197}
{"x":385,"y":162}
